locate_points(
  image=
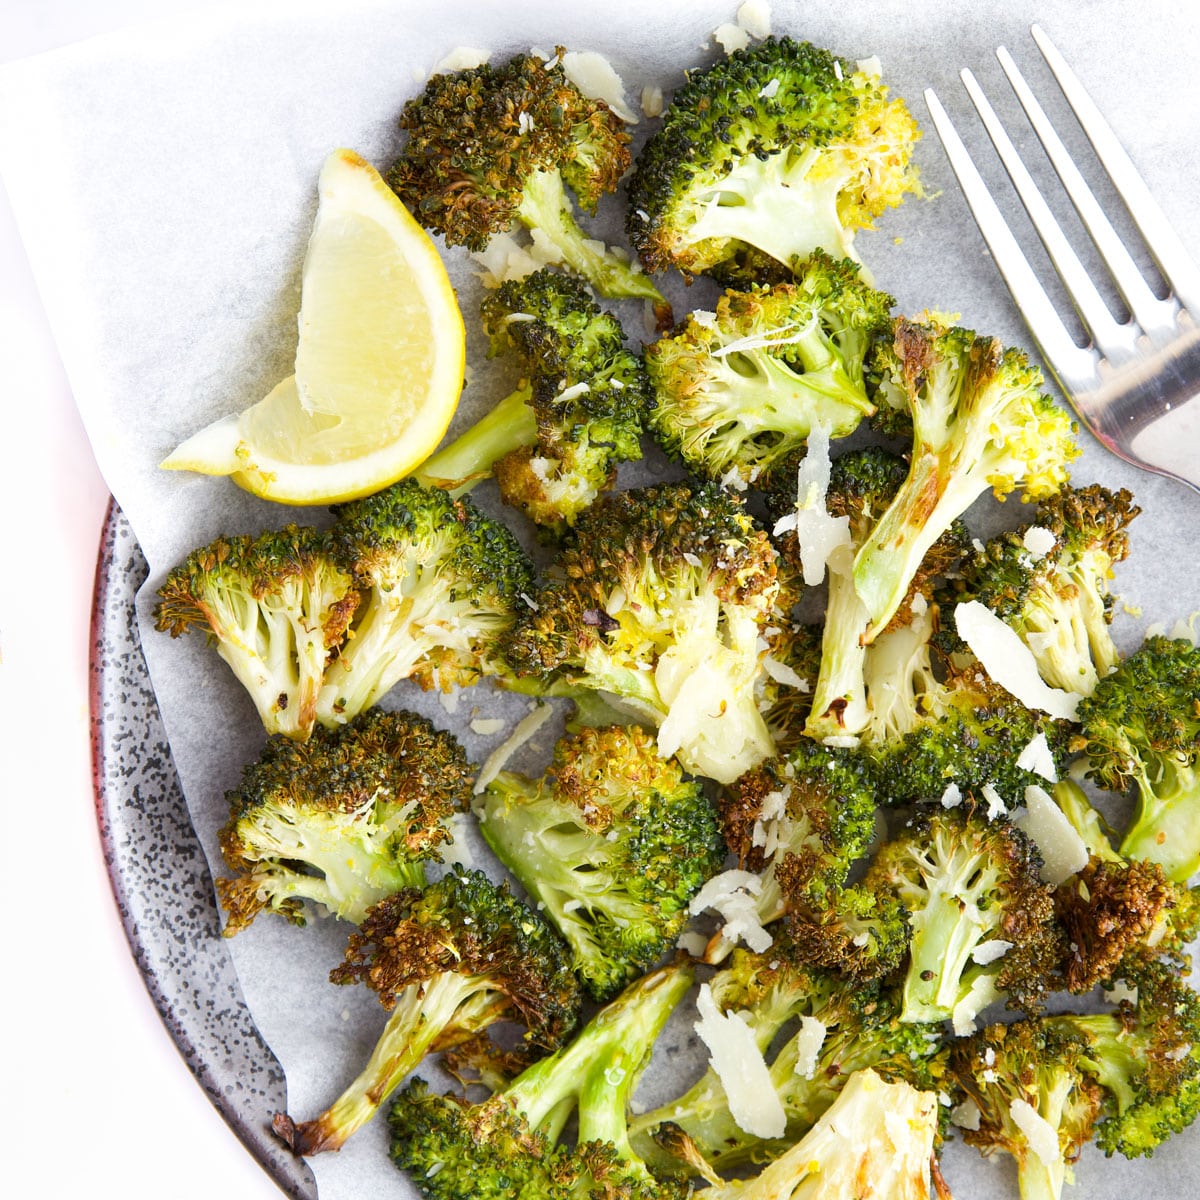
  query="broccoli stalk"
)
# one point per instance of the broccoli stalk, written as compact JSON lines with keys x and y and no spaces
{"x":554,"y":444}
{"x":739,"y":390}
{"x":1141,"y":729}
{"x":493,"y":146}
{"x":446,"y":963}
{"x":507,"y":1146}
{"x":980,"y":420}
{"x":612,"y":845}
{"x":343,"y":820}
{"x":660,"y":599}
{"x":441,"y":582}
{"x":276,"y":607}
{"x":766,"y":156}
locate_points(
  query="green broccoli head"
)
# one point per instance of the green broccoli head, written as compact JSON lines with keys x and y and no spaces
{"x":980,"y":420}
{"x":494,"y":145}
{"x":441,"y":581}
{"x":767,"y":155}
{"x":612,"y":845}
{"x":446,"y":963}
{"x":509,"y":1145}
{"x":660,"y":598}
{"x":276,"y":606}
{"x":342,"y":820}
{"x":739,"y":390}
{"x":982,"y":920}
{"x":1141,"y":730}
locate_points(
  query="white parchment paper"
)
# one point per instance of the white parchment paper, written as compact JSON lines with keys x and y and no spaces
{"x":164,"y":181}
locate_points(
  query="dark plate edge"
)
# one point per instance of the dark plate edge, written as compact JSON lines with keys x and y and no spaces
{"x":160,"y":878}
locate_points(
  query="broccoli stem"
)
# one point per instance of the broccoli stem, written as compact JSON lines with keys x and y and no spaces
{"x":423,"y":1012}
{"x":546,"y":207}
{"x":468,"y":459}
{"x":1164,"y":828}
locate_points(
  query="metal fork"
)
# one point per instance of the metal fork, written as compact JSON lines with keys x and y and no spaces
{"x":1137,"y":386}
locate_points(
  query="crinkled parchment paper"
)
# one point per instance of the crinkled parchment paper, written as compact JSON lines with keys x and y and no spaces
{"x":164,"y":180}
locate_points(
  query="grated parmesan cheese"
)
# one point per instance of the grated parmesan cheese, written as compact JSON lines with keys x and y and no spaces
{"x":526,"y":727}
{"x":1064,"y":853}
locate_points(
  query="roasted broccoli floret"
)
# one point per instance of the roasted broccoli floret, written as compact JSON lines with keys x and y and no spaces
{"x":507,"y":1148}
{"x":738,"y":390}
{"x":441,"y":583}
{"x":612,"y":845}
{"x":660,"y":599}
{"x":446,"y":963}
{"x":876,"y":1142}
{"x":554,"y":444}
{"x":982,"y":919}
{"x":980,"y":420}
{"x":766,"y":156}
{"x":1141,"y":730}
{"x":1117,"y":913}
{"x":1030,"y":1096}
{"x":275,"y":606}
{"x":1049,"y":581}
{"x":833,"y":1031}
{"x":497,"y":145}
{"x":343,"y":819}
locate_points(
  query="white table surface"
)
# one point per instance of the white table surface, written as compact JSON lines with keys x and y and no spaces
{"x":96,"y":1098}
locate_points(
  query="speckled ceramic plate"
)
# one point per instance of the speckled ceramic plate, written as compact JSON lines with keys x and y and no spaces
{"x":160,"y":877}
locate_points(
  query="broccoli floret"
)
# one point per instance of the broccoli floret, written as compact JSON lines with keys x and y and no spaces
{"x":876,"y":1140}
{"x":737,"y":391}
{"x":1117,"y":913}
{"x":855,"y":1028}
{"x":1058,"y":599}
{"x":660,"y":599}
{"x":492,"y":146}
{"x":343,"y":819}
{"x":507,"y":1148}
{"x":980,"y":420}
{"x":441,"y":583}
{"x":1035,"y":1099}
{"x":554,"y":444}
{"x":612,"y":845}
{"x":766,"y":156}
{"x":982,"y":919}
{"x":1141,"y":729}
{"x":446,"y":963}
{"x":276,"y":606}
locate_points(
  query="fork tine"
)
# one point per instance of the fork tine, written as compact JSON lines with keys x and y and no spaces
{"x":1114,"y":341}
{"x":1073,"y":365}
{"x":1169,"y":252}
{"x":1153,"y":315}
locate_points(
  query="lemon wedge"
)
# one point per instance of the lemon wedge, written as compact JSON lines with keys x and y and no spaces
{"x":379,"y":365}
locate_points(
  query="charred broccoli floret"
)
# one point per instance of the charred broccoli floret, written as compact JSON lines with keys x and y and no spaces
{"x":982,"y":920}
{"x":765,"y":156}
{"x":493,"y":146}
{"x":1141,"y":730}
{"x":446,"y":963}
{"x":1056,"y":596}
{"x":507,"y":1147}
{"x":441,"y":582}
{"x":343,"y":819}
{"x":980,"y":420}
{"x":738,"y":390}
{"x":612,"y":845}
{"x":660,"y":599}
{"x":276,"y":606}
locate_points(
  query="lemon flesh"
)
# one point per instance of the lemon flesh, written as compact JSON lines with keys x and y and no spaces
{"x":379,"y":365}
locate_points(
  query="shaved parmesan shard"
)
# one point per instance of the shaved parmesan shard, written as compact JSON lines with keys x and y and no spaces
{"x":952,"y":796}
{"x":1009,"y":661}
{"x":731,"y":37}
{"x":1039,"y":1133}
{"x":966,"y":1115}
{"x":735,"y":1057}
{"x":871,"y":66}
{"x":652,"y":100}
{"x":526,"y":728}
{"x":487,"y":726}
{"x":809,"y":1040}
{"x":1064,"y":853}
{"x":754,"y":16}
{"x":782,"y":673}
{"x":1036,"y":757}
{"x":1038,"y":541}
{"x":595,"y":77}
{"x":818,"y":534}
{"x":462,"y":58}
{"x":990,"y":952}
{"x":731,"y":895}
